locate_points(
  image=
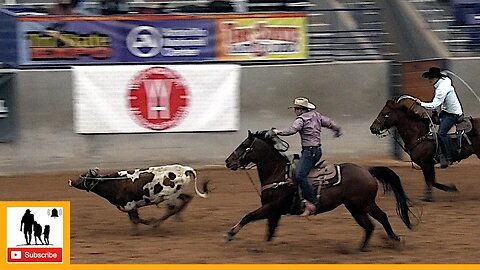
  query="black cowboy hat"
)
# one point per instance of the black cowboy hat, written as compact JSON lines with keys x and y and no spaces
{"x":433,"y":72}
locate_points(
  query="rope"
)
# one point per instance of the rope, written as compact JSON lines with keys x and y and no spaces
{"x":251,"y":181}
{"x":464,"y":82}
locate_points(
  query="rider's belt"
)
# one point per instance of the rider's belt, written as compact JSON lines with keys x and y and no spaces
{"x":310,"y":147}
{"x":454,"y":114}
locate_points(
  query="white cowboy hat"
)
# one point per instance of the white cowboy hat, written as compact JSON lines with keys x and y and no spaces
{"x":302,"y":102}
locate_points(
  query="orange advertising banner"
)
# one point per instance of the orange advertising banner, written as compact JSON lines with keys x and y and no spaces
{"x":267,"y":38}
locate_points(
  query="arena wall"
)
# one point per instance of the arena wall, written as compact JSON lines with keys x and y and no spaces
{"x":351,"y":92}
{"x":467,"y":69}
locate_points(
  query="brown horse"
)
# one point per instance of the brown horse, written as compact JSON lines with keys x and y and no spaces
{"x":413,"y":125}
{"x":279,"y":196}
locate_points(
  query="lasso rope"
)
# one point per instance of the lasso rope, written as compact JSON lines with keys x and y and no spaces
{"x":448,"y":72}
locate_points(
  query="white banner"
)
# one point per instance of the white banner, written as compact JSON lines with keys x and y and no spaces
{"x":156,"y":98}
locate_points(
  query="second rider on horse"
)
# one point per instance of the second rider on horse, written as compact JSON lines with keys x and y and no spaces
{"x":308,"y":124}
{"x":447,"y":99}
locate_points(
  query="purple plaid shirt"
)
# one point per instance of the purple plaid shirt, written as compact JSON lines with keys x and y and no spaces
{"x":309,"y":125}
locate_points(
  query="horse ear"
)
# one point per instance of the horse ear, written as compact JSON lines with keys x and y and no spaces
{"x":249,"y":133}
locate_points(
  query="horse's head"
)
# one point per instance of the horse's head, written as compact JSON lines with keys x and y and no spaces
{"x":404,"y":106}
{"x":244,"y":154}
{"x":253,"y":149}
{"x":386,"y":119}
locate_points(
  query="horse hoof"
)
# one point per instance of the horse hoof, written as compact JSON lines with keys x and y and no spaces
{"x":229,"y":236}
{"x":452,"y":188}
{"x":397,"y":242}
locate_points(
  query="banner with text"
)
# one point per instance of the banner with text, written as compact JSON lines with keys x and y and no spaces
{"x":252,"y":39}
{"x":173,"y":98}
{"x":101,"y":42}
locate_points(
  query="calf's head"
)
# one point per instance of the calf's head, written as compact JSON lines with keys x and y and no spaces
{"x":86,"y":181}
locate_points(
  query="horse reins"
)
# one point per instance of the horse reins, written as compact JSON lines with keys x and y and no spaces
{"x":420,"y":139}
{"x":251,"y":181}
{"x":271,"y":185}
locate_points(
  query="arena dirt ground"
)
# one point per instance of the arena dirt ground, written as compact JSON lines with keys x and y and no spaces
{"x":447,"y":232}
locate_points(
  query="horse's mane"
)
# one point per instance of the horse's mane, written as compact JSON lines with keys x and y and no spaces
{"x":266,"y":136}
{"x":273,"y":140}
{"x":408,"y":104}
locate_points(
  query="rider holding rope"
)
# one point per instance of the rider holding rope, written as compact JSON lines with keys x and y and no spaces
{"x":308,"y":124}
{"x":447,"y":99}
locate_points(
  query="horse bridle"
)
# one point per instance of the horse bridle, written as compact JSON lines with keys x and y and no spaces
{"x":419,"y":140}
{"x":287,"y":180}
{"x":244,"y":155}
{"x":381,"y":133}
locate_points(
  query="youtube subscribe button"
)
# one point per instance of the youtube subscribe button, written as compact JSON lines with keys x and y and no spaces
{"x":33,"y":255}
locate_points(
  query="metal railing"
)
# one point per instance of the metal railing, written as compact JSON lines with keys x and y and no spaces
{"x":461,"y":40}
{"x":354,"y":33}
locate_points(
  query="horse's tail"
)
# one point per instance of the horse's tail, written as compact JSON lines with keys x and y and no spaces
{"x":391,"y":182}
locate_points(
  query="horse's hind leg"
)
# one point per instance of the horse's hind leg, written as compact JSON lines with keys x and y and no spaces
{"x":364,"y":221}
{"x":381,"y":217}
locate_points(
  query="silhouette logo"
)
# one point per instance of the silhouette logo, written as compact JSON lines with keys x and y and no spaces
{"x":34,"y":235}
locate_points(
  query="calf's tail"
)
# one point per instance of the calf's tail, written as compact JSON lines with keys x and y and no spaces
{"x":193,"y":177}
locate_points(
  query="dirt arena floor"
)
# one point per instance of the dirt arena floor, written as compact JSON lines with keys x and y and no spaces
{"x":448,"y":230}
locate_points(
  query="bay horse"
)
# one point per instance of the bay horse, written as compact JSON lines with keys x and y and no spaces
{"x":279,"y":196}
{"x":413,"y":124}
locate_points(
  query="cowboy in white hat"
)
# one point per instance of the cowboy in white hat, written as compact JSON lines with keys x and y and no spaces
{"x":445,"y":98}
{"x":308,"y":124}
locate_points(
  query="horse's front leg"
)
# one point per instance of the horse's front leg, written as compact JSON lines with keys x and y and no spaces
{"x":263,"y":212}
{"x":272,"y":226}
{"x":428,"y":171}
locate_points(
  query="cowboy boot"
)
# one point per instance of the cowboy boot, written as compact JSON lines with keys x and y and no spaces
{"x":310,"y":209}
{"x":443,"y":161}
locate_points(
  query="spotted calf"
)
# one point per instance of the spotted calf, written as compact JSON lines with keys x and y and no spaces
{"x":130,"y":190}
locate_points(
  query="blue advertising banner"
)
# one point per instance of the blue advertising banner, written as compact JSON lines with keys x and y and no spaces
{"x":8,"y":37}
{"x":106,"y":42}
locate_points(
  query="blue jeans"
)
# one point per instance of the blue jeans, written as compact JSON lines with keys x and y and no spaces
{"x":447,"y":120}
{"x":310,"y":156}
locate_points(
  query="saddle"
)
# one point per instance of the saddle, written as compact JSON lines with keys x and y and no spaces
{"x":457,"y":133}
{"x":322,"y":175}
{"x":462,"y":126}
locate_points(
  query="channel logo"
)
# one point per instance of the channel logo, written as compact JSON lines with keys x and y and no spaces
{"x":35,"y":234}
